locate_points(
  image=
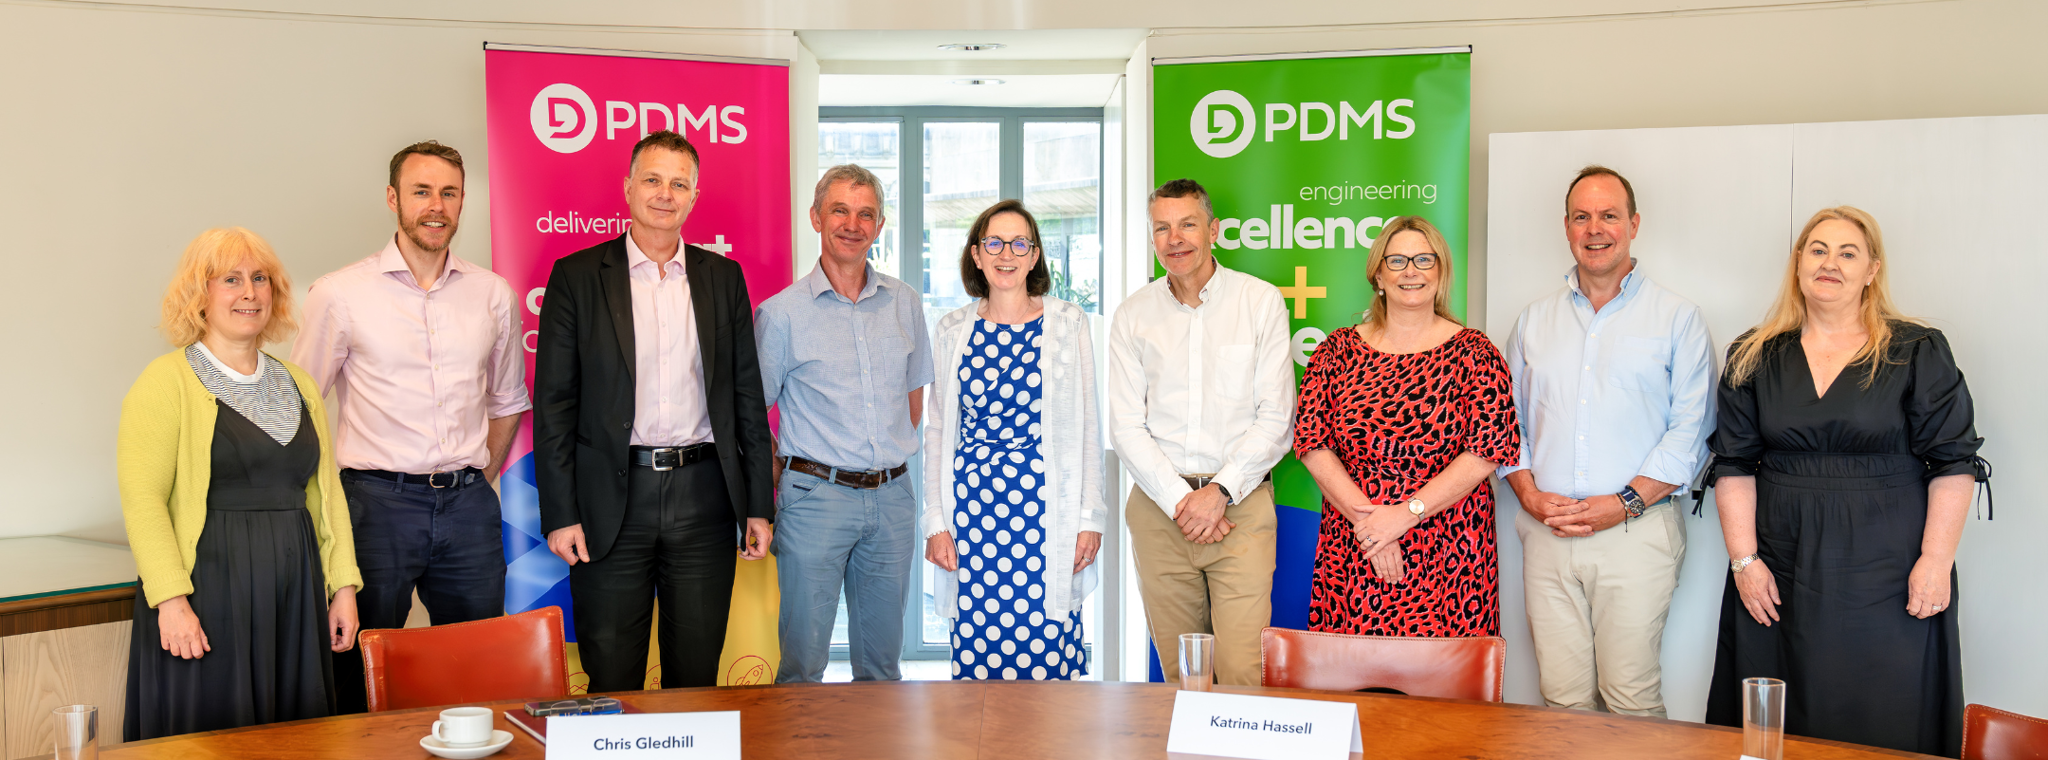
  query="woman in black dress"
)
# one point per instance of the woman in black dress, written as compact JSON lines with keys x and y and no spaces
{"x":234,"y":510}
{"x":1844,"y":458}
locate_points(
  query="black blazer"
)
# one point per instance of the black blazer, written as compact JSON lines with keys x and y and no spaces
{"x":583,"y":381}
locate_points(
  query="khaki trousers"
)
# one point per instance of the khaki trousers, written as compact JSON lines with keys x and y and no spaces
{"x":1613,"y":588}
{"x":1224,"y":588}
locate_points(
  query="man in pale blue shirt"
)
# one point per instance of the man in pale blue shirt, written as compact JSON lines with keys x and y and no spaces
{"x":1614,"y":380}
{"x":845,"y":353}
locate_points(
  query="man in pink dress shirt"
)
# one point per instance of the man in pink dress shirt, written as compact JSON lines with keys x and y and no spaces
{"x":422,"y":353}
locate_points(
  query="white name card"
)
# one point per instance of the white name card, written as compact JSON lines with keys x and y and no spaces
{"x":1262,"y":728}
{"x":631,"y":736}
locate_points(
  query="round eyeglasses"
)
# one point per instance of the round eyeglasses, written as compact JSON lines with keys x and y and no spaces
{"x":1018,"y":248}
{"x":1422,"y":261}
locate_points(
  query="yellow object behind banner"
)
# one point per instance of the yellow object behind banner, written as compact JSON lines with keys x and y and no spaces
{"x":752,"y":651}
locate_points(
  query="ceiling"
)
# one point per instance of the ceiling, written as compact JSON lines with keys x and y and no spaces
{"x":1019,"y":44}
{"x":1016,"y":91}
{"x":1037,"y":68}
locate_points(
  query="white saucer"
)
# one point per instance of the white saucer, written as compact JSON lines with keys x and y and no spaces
{"x":498,"y":741}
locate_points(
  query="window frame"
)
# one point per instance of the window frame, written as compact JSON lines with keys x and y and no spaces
{"x":909,"y":224}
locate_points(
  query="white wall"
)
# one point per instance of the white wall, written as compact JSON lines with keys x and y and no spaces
{"x":127,"y":133}
{"x":1721,"y":206}
{"x":803,"y":155}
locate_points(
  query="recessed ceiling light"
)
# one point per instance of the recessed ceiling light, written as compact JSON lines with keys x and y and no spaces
{"x":974,"y":82}
{"x":973,"y":46}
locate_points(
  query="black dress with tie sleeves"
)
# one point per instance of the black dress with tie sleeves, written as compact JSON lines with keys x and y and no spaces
{"x":1841,"y":489}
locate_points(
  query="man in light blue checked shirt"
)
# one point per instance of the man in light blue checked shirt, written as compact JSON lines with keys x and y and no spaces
{"x":1614,"y":381}
{"x":845,"y":353}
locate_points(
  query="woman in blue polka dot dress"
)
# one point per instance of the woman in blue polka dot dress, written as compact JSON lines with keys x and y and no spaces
{"x":1013,"y":512}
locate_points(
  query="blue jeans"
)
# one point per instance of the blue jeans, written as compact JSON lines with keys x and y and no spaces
{"x":828,"y":536}
{"x":448,"y":543}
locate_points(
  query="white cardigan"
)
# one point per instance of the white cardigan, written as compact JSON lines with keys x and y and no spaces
{"x":1071,"y":446}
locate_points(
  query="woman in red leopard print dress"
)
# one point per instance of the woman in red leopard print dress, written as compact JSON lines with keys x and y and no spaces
{"x":1407,"y":406}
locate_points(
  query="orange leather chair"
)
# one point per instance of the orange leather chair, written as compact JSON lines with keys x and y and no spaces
{"x":512,"y":657}
{"x":1990,"y":734}
{"x":1466,"y":668}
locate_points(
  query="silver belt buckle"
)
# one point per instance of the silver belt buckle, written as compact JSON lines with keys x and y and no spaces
{"x":656,"y":461}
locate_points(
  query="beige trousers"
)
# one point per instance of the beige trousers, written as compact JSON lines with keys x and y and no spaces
{"x":1224,"y":588}
{"x":1613,"y":588}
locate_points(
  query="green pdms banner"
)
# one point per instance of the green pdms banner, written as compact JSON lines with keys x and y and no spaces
{"x":1305,"y":158}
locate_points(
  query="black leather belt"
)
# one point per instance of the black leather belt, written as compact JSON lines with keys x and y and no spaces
{"x":665,"y":458}
{"x":452,"y":479}
{"x":864,"y":479}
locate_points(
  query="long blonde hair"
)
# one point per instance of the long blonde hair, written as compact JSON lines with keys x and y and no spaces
{"x":1788,"y":314}
{"x":1375,"y":314}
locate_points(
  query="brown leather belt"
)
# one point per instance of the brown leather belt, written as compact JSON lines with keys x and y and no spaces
{"x":864,"y":479}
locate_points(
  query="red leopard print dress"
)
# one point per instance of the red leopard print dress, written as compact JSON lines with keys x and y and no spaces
{"x":1396,"y":420}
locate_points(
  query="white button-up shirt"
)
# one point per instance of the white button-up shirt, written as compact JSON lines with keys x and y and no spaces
{"x":669,"y":408}
{"x":1208,"y":389}
{"x":1606,"y":396}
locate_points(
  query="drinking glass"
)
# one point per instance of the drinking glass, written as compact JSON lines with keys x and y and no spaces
{"x":1763,"y":718}
{"x":1197,"y":652}
{"x":78,"y":732}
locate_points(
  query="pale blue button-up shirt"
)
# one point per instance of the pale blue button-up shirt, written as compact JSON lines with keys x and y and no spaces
{"x":1606,"y":396}
{"x":842,"y":371}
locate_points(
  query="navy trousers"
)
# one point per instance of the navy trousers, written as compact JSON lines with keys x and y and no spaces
{"x":446,"y":543}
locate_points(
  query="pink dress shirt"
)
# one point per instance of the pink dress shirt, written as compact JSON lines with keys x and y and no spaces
{"x":418,"y":374}
{"x":669,"y":407}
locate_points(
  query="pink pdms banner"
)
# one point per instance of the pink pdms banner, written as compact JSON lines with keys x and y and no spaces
{"x":562,"y":128}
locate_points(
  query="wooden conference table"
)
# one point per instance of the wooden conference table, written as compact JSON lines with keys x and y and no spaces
{"x":969,"y":719}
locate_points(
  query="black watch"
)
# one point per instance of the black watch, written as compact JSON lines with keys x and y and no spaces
{"x":1227,"y":499}
{"x":1631,"y":501}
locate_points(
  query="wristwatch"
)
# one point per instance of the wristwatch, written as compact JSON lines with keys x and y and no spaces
{"x":1416,"y":508}
{"x":1737,"y":565}
{"x":1226,"y":492}
{"x":1631,"y":501}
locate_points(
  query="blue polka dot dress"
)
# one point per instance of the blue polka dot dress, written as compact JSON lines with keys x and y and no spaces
{"x":998,"y":517}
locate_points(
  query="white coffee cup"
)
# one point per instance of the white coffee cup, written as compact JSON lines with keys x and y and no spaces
{"x":464,"y":726}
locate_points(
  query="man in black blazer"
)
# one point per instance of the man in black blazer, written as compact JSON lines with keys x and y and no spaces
{"x":650,"y":432}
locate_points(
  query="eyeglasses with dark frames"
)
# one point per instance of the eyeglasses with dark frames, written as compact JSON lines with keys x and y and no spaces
{"x":1422,"y":261}
{"x":1019,"y":248}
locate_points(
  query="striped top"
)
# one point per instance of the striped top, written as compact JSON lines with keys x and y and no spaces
{"x":269,"y":398}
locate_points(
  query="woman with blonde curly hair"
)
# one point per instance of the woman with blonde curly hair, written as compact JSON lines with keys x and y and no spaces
{"x":1843,"y":462}
{"x":234,"y":509}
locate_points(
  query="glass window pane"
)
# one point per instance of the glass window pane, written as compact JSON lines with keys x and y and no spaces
{"x":962,"y":178}
{"x":877,"y":147}
{"x":1063,"y":189}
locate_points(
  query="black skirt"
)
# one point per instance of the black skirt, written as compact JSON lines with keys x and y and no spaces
{"x":258,"y":591}
{"x":1841,"y":533}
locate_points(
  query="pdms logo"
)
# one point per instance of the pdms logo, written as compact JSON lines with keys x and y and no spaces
{"x":565,"y":119}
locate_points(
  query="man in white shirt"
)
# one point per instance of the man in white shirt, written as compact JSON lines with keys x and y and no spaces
{"x":1201,"y":398}
{"x":1614,"y":379}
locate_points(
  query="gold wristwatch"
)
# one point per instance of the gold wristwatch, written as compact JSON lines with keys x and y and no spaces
{"x":1739,"y":564}
{"x":1416,"y":508}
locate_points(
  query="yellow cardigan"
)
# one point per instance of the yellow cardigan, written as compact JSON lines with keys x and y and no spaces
{"x":165,"y":461}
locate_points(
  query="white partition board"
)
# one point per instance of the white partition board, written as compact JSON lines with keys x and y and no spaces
{"x":1956,"y":199}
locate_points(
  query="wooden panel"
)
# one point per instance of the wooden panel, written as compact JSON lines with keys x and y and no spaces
{"x":52,"y":613}
{"x":40,"y":672}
